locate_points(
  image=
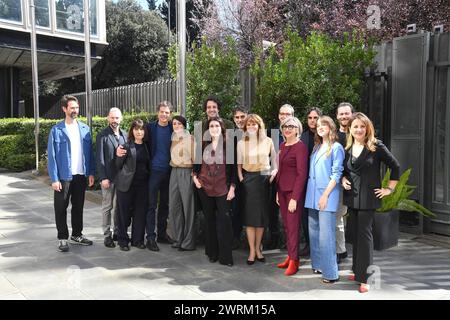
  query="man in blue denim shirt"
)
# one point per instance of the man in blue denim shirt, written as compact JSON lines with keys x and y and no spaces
{"x":70,"y":160}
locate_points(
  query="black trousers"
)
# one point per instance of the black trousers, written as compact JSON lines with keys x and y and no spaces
{"x":218,"y":230}
{"x":361,"y":222}
{"x":274,"y":213}
{"x":74,"y":191}
{"x":305,"y":225}
{"x":236,"y":210}
{"x":132,"y":206}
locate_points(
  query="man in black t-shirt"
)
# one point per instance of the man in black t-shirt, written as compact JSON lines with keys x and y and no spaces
{"x":344,"y":112}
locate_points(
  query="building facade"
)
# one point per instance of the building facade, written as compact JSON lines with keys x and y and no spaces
{"x":60,"y":43}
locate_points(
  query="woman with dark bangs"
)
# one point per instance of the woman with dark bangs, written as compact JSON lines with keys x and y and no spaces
{"x":133,"y":165}
{"x":215,"y":181}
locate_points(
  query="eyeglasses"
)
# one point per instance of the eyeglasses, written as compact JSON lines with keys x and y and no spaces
{"x":290,"y":127}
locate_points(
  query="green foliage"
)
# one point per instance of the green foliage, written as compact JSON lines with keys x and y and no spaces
{"x":13,"y":152}
{"x":316,"y":72}
{"x":17,"y":143}
{"x":399,"y":199}
{"x":137,"y":50}
{"x":211,"y":69}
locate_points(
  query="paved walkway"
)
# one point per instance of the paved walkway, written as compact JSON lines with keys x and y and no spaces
{"x":32,"y":268}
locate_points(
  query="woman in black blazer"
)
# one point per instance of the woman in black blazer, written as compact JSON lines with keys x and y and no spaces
{"x":362,"y":189}
{"x":133,"y":165}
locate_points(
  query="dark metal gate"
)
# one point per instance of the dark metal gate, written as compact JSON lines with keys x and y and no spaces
{"x":408,"y":98}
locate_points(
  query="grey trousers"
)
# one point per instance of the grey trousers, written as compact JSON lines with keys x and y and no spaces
{"x":340,"y":226}
{"x":181,"y":208}
{"x":109,"y":207}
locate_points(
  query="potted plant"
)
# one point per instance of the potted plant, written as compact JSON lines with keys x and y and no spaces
{"x":386,"y":222}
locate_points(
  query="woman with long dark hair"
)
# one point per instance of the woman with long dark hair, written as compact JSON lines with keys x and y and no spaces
{"x":215,"y":182}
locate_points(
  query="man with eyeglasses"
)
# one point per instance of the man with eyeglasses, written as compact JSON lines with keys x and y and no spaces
{"x":239,"y":115}
{"x":307,"y":138}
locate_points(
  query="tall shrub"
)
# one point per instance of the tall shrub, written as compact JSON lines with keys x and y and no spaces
{"x":211,"y":69}
{"x":318,"y":71}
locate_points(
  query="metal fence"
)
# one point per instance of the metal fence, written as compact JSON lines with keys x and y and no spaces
{"x":132,"y":98}
{"x":142,"y":97}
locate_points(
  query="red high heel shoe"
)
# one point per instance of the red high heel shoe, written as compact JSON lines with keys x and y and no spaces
{"x":284,"y":264}
{"x":292,"y":268}
{"x":363,"y":288}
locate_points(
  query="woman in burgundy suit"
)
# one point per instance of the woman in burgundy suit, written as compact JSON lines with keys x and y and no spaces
{"x":291,"y":181}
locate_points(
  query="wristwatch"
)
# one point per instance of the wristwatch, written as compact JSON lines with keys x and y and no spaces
{"x":391,"y":189}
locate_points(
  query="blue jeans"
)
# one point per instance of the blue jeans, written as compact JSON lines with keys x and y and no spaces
{"x":322,"y":241}
{"x":159,"y":183}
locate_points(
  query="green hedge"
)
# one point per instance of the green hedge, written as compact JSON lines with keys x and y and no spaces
{"x":17,"y":144}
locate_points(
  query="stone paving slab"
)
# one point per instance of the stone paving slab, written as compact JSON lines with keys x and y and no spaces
{"x":32,"y":268}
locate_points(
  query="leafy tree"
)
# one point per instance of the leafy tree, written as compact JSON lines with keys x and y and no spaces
{"x":251,"y":21}
{"x":248,"y":21}
{"x":193,"y":12}
{"x":137,"y":50}
{"x":151,"y":5}
{"x":211,"y":69}
{"x":318,"y":71}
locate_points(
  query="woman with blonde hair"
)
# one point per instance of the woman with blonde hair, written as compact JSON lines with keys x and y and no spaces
{"x":256,"y":160}
{"x":363,"y":192}
{"x":322,"y":198}
{"x":291,"y":181}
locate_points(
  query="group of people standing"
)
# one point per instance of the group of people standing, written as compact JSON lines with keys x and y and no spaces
{"x":243,"y":178}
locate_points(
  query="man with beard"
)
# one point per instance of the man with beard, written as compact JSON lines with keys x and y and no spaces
{"x":239,"y":115}
{"x":344,"y":113}
{"x":70,"y":160}
{"x":212,"y":106}
{"x":106,"y":144}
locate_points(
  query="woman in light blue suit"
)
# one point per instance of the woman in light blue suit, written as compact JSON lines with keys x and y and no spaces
{"x":322,"y":199}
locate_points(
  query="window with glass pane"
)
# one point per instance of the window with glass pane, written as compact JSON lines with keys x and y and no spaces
{"x":70,"y":15}
{"x":440,"y":137}
{"x":11,"y":10}
{"x":42,"y":14}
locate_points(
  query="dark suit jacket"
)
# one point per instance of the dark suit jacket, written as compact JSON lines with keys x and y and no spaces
{"x":307,"y":138}
{"x":365,"y":176}
{"x":293,"y":170}
{"x":106,"y":145}
{"x":151,"y":137}
{"x":126,"y":167}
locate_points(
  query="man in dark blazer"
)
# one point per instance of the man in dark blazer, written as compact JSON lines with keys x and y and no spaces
{"x":307,"y":137}
{"x":106,"y":144}
{"x":158,"y":143}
